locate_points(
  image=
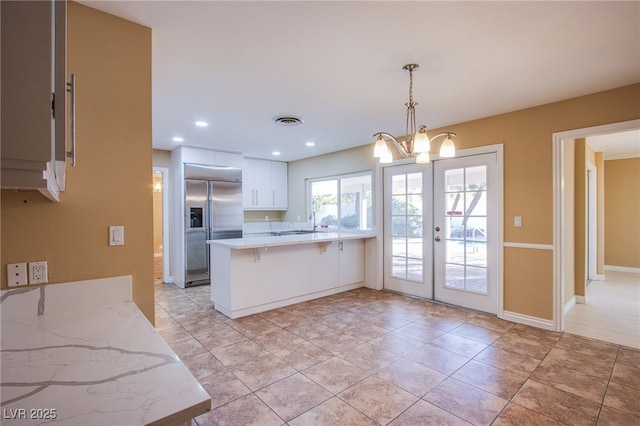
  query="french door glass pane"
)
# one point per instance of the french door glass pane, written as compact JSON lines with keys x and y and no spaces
{"x":406,"y":223}
{"x":466,"y":229}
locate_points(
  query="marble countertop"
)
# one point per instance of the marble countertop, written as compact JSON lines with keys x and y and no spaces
{"x":284,"y":240}
{"x":98,"y":365}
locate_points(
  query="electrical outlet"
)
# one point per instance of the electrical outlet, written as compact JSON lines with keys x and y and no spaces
{"x":38,"y":272}
{"x":17,"y":274}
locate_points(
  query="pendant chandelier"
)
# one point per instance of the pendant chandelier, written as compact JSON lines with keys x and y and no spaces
{"x":416,"y":142}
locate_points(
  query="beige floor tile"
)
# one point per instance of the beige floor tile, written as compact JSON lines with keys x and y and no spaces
{"x":187,"y":347}
{"x":467,"y":402}
{"x":623,"y":398}
{"x":491,"y":322}
{"x":542,"y":337}
{"x":336,"y":374}
{"x":598,"y":349}
{"x":424,"y":413}
{"x":333,"y":412}
{"x":523,"y":346}
{"x":283,"y":317}
{"x":293,"y":396}
{"x":576,"y":361}
{"x":508,"y":361}
{"x":627,"y":375}
{"x":240,"y":353}
{"x":612,"y":417}
{"x":247,"y":410}
{"x":557,"y":404}
{"x":203,"y":365}
{"x":378,"y":399}
{"x":302,"y":355}
{"x":262,"y":372}
{"x":459,"y":345}
{"x":397,"y":343}
{"x":412,"y":377}
{"x":571,"y":381}
{"x":517,"y":415}
{"x":336,"y":342}
{"x":223,"y":387}
{"x":277,"y":339}
{"x":438,"y":359}
{"x":628,"y":356}
{"x":477,"y":333}
{"x":420,"y":331}
{"x":493,"y":380}
{"x":440,"y":322}
{"x":369,"y":357}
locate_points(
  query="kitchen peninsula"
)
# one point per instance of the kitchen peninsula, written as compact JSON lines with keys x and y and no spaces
{"x":256,"y":274}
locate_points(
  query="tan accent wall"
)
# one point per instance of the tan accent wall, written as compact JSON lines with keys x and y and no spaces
{"x":161,"y":158}
{"x":111,"y":183}
{"x":569,"y":148}
{"x":520,"y":266}
{"x":622,"y":210}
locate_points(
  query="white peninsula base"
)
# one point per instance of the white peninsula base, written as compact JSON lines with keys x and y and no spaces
{"x":252,"y":275}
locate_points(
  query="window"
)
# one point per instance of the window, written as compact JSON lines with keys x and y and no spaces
{"x":342,"y":202}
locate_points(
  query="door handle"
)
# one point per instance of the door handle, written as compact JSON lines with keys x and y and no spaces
{"x":438,"y":239}
{"x":437,"y":229}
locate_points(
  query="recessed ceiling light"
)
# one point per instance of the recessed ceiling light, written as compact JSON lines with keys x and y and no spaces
{"x":275,"y":153}
{"x":177,"y":139}
{"x":310,"y":143}
{"x":202,"y":123}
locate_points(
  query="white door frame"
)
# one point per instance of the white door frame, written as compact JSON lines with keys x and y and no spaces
{"x":495,"y":148}
{"x":559,"y":249}
{"x":165,"y":222}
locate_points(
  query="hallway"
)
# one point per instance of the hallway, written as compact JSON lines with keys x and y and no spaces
{"x":613,"y":311}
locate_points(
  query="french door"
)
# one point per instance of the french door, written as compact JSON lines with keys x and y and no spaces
{"x":441,"y":226}
{"x":407,"y":224}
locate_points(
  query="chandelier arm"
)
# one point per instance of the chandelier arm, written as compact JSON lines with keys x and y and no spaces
{"x":401,"y":149}
{"x":441,"y":134}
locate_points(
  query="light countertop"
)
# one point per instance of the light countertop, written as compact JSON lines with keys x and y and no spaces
{"x":284,"y":240}
{"x":94,"y":365}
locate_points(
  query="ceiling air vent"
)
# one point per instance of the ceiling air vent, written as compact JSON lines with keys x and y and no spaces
{"x":288,"y":120}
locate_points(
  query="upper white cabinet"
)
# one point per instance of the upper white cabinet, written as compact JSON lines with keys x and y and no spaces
{"x":33,"y":86}
{"x":264,"y":185}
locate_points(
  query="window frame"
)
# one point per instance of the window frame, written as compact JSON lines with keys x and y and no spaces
{"x":338,"y":178}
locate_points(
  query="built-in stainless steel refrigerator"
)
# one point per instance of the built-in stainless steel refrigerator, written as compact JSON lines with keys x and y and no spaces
{"x":213,"y":210}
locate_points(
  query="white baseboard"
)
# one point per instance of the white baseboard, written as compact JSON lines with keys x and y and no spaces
{"x":600,"y":277}
{"x":570,"y":304}
{"x":582,"y":300}
{"x":528,"y":320}
{"x":621,"y":269}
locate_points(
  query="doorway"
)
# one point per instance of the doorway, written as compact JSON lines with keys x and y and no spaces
{"x":160,"y":186}
{"x":443,"y":230}
{"x":564,"y":250}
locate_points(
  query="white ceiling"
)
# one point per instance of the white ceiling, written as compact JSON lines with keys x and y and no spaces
{"x":337,"y":65}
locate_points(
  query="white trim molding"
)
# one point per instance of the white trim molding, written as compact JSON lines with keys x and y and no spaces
{"x":529,"y":246}
{"x":614,"y":268}
{"x":582,"y":300}
{"x":569,"y":305}
{"x":528,"y":320}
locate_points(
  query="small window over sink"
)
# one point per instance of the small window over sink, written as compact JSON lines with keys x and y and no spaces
{"x":341,"y":202}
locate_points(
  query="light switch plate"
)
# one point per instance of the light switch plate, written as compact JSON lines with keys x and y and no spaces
{"x":116,"y":235}
{"x":517,"y":221}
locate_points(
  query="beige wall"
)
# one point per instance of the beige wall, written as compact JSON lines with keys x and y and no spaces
{"x":161,"y":158}
{"x":111,"y":183}
{"x":622,"y":210}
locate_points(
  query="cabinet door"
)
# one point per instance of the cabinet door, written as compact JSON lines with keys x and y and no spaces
{"x":351,"y":263}
{"x":262,"y":184}
{"x":248,"y":190}
{"x":26,"y":91}
{"x":279,"y":184}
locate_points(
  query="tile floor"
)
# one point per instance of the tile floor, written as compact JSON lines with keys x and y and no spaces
{"x":369,"y":357}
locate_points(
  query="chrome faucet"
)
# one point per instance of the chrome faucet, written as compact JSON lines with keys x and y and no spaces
{"x":313,"y":216}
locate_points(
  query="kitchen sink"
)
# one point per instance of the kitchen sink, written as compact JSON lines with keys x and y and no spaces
{"x":294,"y":232}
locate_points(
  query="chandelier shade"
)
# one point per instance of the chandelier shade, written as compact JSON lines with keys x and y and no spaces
{"x":415,"y":143}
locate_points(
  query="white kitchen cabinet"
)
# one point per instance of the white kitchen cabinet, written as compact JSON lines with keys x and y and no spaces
{"x":264,"y":185}
{"x":351,"y":261}
{"x":34,"y":87}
